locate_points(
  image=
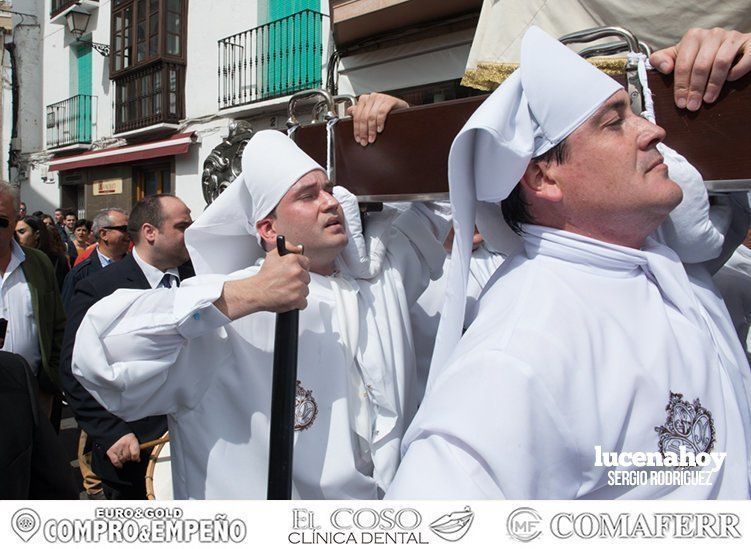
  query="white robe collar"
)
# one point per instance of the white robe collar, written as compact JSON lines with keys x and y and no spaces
{"x":696,"y":298}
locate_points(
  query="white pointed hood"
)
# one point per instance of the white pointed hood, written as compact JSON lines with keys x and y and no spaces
{"x":224,"y":238}
{"x":551,"y":94}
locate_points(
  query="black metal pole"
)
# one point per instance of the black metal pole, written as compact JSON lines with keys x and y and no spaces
{"x":284,"y":385}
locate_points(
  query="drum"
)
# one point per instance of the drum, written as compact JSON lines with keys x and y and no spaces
{"x":159,"y":473}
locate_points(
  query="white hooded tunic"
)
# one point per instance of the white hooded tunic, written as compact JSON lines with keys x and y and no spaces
{"x":172,"y":352}
{"x":579,"y":344}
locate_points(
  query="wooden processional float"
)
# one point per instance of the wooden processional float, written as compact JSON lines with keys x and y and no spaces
{"x":409,"y":160}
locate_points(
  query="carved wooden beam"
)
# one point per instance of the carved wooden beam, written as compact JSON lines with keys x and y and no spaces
{"x":409,"y":159}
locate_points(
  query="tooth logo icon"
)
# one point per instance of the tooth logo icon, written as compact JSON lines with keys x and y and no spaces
{"x":25,"y":523}
{"x":454,"y":526}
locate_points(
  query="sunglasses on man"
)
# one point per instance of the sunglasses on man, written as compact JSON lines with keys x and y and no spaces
{"x":121,"y":228}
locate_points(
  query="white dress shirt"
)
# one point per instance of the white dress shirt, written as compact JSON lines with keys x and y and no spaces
{"x":153,"y":275}
{"x":104,"y":261}
{"x":22,"y":336}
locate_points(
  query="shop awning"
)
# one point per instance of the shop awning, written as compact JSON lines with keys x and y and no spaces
{"x":177,"y":144}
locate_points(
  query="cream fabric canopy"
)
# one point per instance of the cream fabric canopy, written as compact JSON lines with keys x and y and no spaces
{"x":659,"y":23}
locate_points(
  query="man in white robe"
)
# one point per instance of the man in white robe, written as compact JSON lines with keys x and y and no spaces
{"x":172,"y":352}
{"x":426,"y":312}
{"x":593,"y":338}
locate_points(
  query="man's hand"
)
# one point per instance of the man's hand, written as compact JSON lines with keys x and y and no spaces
{"x":369,"y":115}
{"x":279,"y":286}
{"x":125,"y":449}
{"x":702,"y":61}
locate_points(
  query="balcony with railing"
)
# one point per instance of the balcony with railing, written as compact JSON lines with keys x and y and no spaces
{"x":151,"y":97}
{"x":272,"y":60}
{"x":71,"y":122}
{"x":58,"y":8}
{"x":356,"y":20}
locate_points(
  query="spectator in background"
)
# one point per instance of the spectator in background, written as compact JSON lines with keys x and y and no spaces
{"x":91,"y":246}
{"x":111,"y":230}
{"x":32,"y":460}
{"x":32,"y":233}
{"x":27,"y":232}
{"x":81,"y":236}
{"x":22,"y":210}
{"x":70,"y":223}
{"x":157,"y":225}
{"x":70,"y":249}
{"x":28,"y":292}
{"x":57,"y":243}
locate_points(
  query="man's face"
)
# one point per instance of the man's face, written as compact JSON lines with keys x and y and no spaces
{"x":169,"y":243}
{"x":58,"y":216}
{"x":308,"y":214}
{"x":70,"y":221}
{"x":7,"y":213}
{"x":116,"y":240}
{"x":22,"y":210}
{"x":614,"y":182}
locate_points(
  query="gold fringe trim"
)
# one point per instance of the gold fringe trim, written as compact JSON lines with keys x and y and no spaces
{"x":488,"y":76}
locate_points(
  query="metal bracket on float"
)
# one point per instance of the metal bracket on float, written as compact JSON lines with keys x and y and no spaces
{"x":321,"y":110}
{"x":327,"y":100}
{"x":328,"y":107}
{"x":627,"y":42}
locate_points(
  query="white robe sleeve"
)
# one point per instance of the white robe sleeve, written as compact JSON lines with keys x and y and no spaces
{"x":416,"y":245}
{"x":694,"y":229}
{"x":143,"y":353}
{"x":489,"y":429}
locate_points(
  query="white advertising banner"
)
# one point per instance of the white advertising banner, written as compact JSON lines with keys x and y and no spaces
{"x":356,"y":523}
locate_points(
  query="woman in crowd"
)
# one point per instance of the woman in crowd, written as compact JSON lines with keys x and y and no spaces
{"x":33,"y":233}
{"x":81,"y":235}
{"x":47,"y":220}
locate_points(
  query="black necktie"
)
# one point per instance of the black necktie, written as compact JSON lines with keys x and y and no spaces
{"x":166,"y":280}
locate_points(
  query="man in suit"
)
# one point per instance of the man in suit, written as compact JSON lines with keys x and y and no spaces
{"x":28,"y":289}
{"x":111,"y":230}
{"x":156,"y":227}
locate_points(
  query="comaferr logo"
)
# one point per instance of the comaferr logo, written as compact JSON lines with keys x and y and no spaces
{"x":658,"y":525}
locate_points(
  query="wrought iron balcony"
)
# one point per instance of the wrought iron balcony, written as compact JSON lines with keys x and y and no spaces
{"x":149,"y":96}
{"x":272,"y":60}
{"x":71,"y":122}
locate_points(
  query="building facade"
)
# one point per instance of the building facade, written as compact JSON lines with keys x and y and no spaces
{"x":132,"y":96}
{"x":21,"y":92}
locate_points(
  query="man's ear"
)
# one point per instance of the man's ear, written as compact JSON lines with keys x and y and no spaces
{"x":539,"y":181}
{"x":267,"y":232}
{"x":148,"y":232}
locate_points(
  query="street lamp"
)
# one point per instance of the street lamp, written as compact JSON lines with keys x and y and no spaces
{"x":77,"y":23}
